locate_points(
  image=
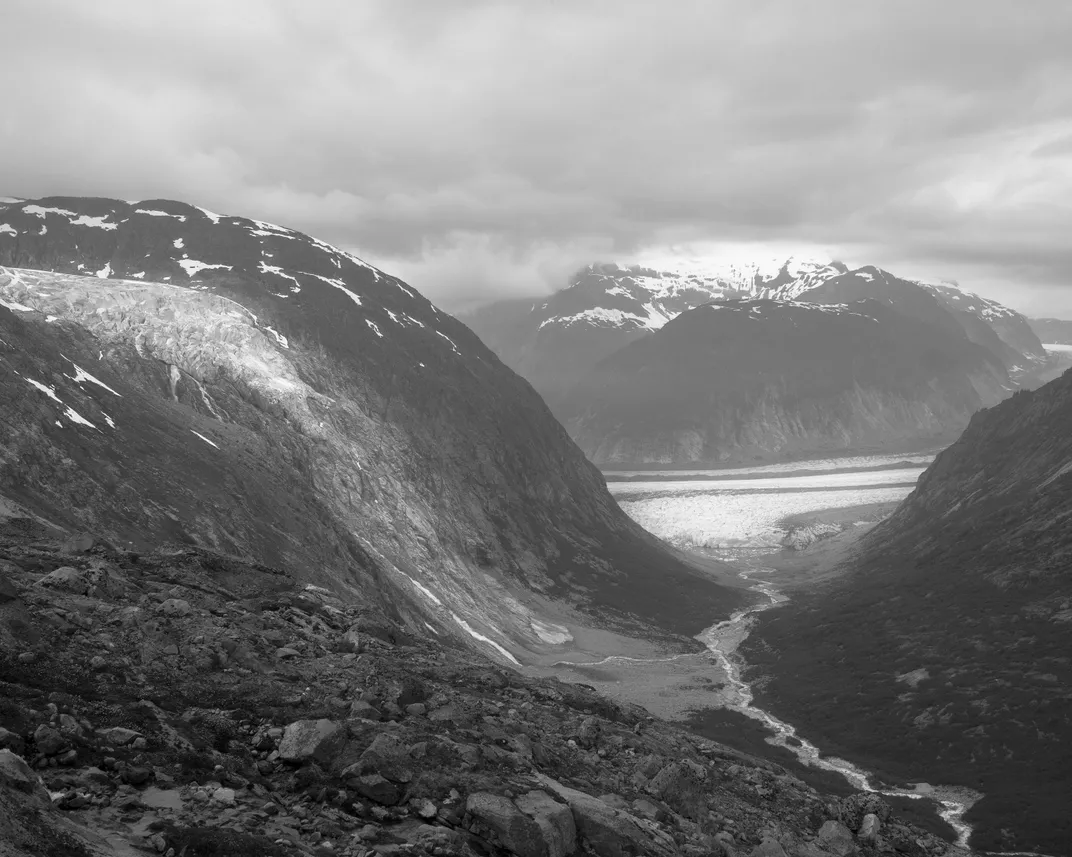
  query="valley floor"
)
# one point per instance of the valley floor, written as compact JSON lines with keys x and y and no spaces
{"x":785,"y":532}
{"x":792,"y":525}
{"x":737,"y":520}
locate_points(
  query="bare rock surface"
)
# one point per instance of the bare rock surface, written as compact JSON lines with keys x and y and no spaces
{"x":195,"y":738}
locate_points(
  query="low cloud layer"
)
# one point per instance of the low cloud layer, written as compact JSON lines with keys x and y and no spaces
{"x":484,"y":149}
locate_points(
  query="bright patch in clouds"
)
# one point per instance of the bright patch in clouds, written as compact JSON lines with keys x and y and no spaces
{"x":473,"y":164}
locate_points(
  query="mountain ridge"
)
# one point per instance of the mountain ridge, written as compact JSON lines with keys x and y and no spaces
{"x":944,"y":649}
{"x":556,"y":342}
{"x":475,"y":509}
{"x":741,"y":380}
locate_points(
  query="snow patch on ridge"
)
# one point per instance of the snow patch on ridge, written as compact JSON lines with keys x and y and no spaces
{"x":336,"y":284}
{"x":74,"y":217}
{"x":600,"y":317}
{"x":215,"y":218}
{"x":152,"y":212}
{"x":265,"y":268}
{"x":192,"y":266}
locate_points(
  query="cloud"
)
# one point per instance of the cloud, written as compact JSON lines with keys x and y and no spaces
{"x":482,"y":148}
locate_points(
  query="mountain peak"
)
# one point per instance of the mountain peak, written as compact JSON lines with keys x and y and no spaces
{"x":305,"y":409}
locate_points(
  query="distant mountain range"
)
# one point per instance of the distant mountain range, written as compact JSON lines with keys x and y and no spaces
{"x":945,"y":652}
{"x":583,"y":349}
{"x":746,"y":380}
{"x":1057,"y":331}
{"x":168,"y":374}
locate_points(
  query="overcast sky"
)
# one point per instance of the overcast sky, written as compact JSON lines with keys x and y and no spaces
{"x":485,"y":149}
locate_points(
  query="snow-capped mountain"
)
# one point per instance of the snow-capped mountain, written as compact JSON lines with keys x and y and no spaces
{"x":607,"y":306}
{"x":172,"y":374}
{"x":1011,"y":327}
{"x":741,"y":381}
{"x":644,"y":298}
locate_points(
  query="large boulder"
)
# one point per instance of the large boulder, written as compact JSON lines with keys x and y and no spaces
{"x":681,"y":785}
{"x":48,"y":740}
{"x":836,"y":838}
{"x":351,"y":642}
{"x":869,"y":828}
{"x":93,"y":582}
{"x":608,"y":832}
{"x":8,"y":592}
{"x":498,"y":820}
{"x":68,"y":579}
{"x":769,"y":847}
{"x":853,"y":808}
{"x":386,"y":756}
{"x":175,"y":607}
{"x":11,"y":741}
{"x":376,"y":788}
{"x":554,"y":819}
{"x":118,"y":736}
{"x":589,"y":732}
{"x":306,"y":740}
{"x":78,"y":544}
{"x":15,"y":773}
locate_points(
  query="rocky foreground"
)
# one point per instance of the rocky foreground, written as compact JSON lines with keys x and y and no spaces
{"x":185,"y":703}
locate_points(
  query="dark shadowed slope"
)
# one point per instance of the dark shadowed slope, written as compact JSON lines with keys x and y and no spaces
{"x":279,"y":398}
{"x":743,"y":381}
{"x":947,"y":653}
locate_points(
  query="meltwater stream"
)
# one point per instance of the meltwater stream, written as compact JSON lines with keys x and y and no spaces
{"x":724,"y":638}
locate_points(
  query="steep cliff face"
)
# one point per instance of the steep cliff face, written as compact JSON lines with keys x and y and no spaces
{"x":740,"y":381}
{"x":267,"y":394}
{"x":945,"y":651}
